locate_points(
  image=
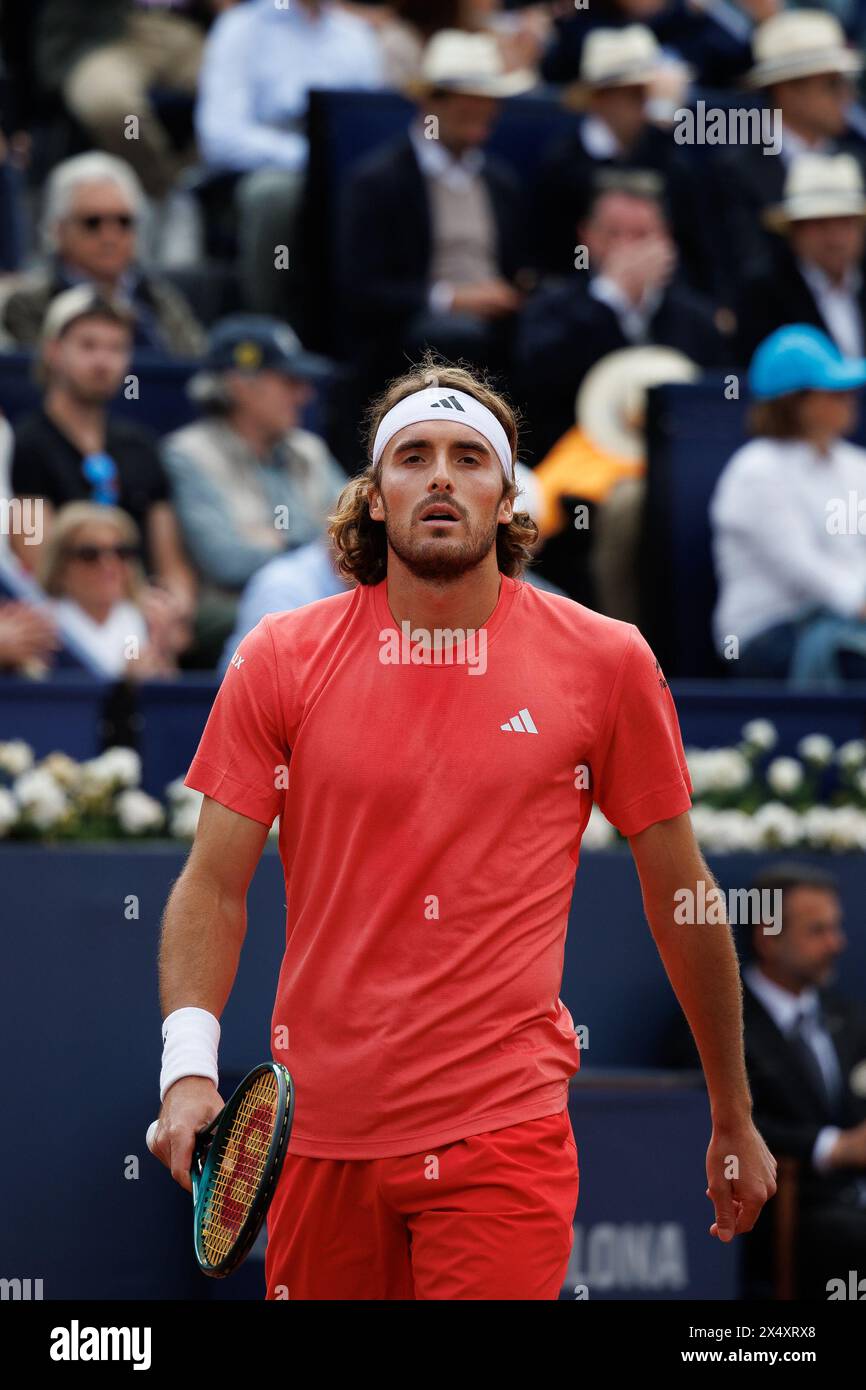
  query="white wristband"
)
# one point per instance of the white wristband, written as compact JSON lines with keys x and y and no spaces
{"x":190,"y":1038}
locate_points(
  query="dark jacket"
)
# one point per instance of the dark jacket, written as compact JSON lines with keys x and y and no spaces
{"x":165,"y":322}
{"x":780,"y":295}
{"x":788,"y":1110}
{"x":385,"y":236}
{"x":563,"y":331}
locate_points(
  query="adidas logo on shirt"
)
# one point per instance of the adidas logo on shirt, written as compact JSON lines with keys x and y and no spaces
{"x":521,"y":723}
{"x":449,"y":403}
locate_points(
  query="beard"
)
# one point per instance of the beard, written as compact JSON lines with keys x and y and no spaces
{"x":444,"y":561}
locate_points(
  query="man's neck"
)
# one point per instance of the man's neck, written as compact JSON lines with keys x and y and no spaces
{"x":83,"y":422}
{"x":782,"y":980}
{"x":467,"y":602}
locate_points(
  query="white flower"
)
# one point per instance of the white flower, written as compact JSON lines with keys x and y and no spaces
{"x":760,"y":733}
{"x":15,"y":757}
{"x":122,"y":766}
{"x":138,"y":812}
{"x":184,"y":820}
{"x":42,"y":800}
{"x":851,"y":754}
{"x":847,"y":829}
{"x":777,"y":826}
{"x":722,"y":832}
{"x":817,"y":822}
{"x":785,"y":775}
{"x":599,"y":832}
{"x":65,"y":770}
{"x":718,"y":770}
{"x":8,"y":811}
{"x":816,"y":748}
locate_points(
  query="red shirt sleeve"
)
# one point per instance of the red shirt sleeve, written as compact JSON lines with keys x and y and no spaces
{"x":243,"y":756}
{"x":639,"y":768}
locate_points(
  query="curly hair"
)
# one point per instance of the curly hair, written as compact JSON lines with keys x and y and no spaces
{"x":360,"y":543}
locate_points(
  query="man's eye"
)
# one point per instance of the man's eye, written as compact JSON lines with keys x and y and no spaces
{"x":469,"y":458}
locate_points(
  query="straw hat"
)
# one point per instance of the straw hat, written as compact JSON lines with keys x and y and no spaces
{"x":629,"y":57}
{"x":800,"y":43}
{"x":612,"y":398}
{"x":819,"y":185}
{"x":471,"y":64}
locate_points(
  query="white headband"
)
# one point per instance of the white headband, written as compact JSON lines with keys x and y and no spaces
{"x":443,"y":403}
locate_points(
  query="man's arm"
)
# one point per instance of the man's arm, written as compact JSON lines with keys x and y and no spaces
{"x":202,"y":933}
{"x":701,"y":964}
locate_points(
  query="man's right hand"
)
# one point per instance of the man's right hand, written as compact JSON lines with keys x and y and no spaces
{"x":849,"y":1151}
{"x":189,"y":1106}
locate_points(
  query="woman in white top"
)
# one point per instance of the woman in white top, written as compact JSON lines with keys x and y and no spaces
{"x":91,"y":571}
{"x":789,"y":520}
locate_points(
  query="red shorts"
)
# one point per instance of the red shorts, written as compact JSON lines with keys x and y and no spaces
{"x":488,"y":1217}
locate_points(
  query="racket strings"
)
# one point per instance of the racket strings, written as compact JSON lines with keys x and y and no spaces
{"x":239,"y":1167}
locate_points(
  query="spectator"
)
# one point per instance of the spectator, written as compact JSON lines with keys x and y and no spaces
{"x":806,"y":72}
{"x":105,"y":56}
{"x":448,"y":279}
{"x":28,"y":638}
{"x":93,"y":205}
{"x":89,"y":568}
{"x":260,"y":62}
{"x":618,"y":68}
{"x":629,"y":295}
{"x":71,"y":449}
{"x":717,"y":52}
{"x":815,"y":275}
{"x":790,"y":565}
{"x":805,"y":1047}
{"x":248,"y":481}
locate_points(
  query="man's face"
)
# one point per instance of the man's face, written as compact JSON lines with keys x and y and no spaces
{"x":817,"y":105}
{"x":90,"y":359}
{"x":465,"y":122}
{"x":97,"y":237}
{"x":835,"y":244}
{"x":619,"y":221}
{"x":623,"y":109}
{"x":440,"y":464}
{"x":271,"y":399}
{"x":811,"y":940}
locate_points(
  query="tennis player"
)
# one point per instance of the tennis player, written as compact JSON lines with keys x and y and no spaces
{"x":431,"y":806}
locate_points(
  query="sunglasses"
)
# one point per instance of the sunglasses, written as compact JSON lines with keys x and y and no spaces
{"x":92,"y":554}
{"x":93,"y":221}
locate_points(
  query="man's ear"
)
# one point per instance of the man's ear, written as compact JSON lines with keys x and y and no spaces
{"x":374,"y":502}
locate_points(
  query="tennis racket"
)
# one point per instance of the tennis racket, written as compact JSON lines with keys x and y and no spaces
{"x":235,"y":1165}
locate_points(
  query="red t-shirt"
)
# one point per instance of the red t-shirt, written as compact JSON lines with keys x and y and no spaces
{"x":429,"y":835}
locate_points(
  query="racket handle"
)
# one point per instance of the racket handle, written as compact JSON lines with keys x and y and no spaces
{"x":151,"y":1134}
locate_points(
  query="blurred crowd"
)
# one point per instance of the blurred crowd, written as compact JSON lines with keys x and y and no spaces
{"x":167,"y":212}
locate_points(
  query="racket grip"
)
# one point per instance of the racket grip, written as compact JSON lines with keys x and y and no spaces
{"x":151,"y":1134}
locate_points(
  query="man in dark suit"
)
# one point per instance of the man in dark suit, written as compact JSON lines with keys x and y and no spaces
{"x":805,"y":1047}
{"x":624,"y":292}
{"x":615,"y":131}
{"x":815,"y":275}
{"x":432,"y":233}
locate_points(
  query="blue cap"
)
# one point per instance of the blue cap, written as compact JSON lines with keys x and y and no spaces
{"x":257,"y":343}
{"x":799,"y":357}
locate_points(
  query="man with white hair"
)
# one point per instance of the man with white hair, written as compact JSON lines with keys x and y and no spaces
{"x":91,"y":213}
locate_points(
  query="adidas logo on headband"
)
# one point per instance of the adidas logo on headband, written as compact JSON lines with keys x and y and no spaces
{"x":448,"y":403}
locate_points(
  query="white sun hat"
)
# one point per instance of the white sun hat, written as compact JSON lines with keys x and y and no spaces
{"x":472,"y":64}
{"x":800,"y":43}
{"x":819,"y":185}
{"x":611,"y":401}
{"x":629,"y":57}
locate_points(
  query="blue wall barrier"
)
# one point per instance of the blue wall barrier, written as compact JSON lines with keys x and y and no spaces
{"x":91,"y":1213}
{"x":67,"y":713}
